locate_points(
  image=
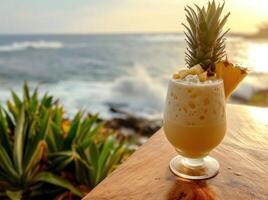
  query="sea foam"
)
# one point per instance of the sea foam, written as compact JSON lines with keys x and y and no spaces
{"x":142,"y":94}
{"x":40,"y":44}
{"x":135,"y":92}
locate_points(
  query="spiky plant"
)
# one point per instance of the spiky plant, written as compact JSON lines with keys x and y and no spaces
{"x":23,"y":148}
{"x":83,"y":150}
{"x":99,"y":160}
{"x":205,"y":37}
{"x":41,"y":153}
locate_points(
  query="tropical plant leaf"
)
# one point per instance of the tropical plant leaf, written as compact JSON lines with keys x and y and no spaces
{"x":31,"y":128}
{"x":4,"y":135}
{"x":47,"y":101}
{"x":10,"y":122}
{"x":106,"y":151}
{"x":113,"y":161}
{"x":65,"y":162}
{"x":80,"y":173}
{"x":14,"y":195}
{"x":55,"y":138}
{"x":19,"y":141}
{"x":44,"y":125}
{"x":13,"y":110}
{"x":26,"y":93}
{"x":87,"y":131}
{"x":6,"y":164}
{"x":58,"y":181}
{"x":36,"y":157}
{"x":74,"y":130}
{"x":16,"y":100}
{"x":93,"y":157}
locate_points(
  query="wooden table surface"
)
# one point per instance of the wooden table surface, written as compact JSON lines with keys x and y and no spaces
{"x":243,"y":157}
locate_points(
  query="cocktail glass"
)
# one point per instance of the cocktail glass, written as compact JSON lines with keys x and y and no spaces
{"x":195,"y":123}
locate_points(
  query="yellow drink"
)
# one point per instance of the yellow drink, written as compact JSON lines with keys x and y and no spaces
{"x":194,"y":141}
{"x":194,"y":117}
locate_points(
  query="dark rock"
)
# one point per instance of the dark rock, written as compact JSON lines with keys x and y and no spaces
{"x":129,"y":124}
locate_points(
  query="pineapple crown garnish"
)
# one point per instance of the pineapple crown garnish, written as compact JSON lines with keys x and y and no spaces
{"x":204,"y":35}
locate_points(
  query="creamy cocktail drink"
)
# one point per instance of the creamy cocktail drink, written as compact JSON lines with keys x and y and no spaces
{"x":194,"y":117}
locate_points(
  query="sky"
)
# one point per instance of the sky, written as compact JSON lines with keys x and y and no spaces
{"x":117,"y":16}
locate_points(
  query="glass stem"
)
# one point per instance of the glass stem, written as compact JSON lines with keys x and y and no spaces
{"x":193,"y":163}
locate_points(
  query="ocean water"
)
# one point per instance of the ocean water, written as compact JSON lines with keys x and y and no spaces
{"x":94,"y":72}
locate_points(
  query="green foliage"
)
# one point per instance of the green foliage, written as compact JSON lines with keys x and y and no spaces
{"x":91,"y":157}
{"x":38,"y":147}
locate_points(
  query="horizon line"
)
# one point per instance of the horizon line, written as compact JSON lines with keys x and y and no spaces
{"x":111,"y":33}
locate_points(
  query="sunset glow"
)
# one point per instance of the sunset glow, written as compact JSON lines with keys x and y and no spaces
{"x":118,"y":16}
{"x":256,"y":53}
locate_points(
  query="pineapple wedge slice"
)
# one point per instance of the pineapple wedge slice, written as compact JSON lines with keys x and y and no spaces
{"x":231,"y":76}
{"x":181,"y":74}
{"x":203,"y":76}
{"x":195,"y":70}
{"x":211,"y":78}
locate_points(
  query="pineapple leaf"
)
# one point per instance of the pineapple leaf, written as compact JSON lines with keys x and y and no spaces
{"x":194,"y":15}
{"x":222,"y":23}
{"x":211,"y":9}
{"x":204,"y":36}
{"x":189,"y":34}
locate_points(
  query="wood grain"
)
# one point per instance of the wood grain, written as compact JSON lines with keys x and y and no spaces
{"x":243,"y":156}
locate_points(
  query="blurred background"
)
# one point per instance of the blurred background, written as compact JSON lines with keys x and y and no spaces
{"x":96,"y":54}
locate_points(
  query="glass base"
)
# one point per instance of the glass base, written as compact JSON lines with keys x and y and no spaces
{"x":194,"y":169}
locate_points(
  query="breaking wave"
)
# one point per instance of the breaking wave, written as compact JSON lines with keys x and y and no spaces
{"x":20,"y":46}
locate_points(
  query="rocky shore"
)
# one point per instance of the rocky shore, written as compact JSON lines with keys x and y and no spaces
{"x":129,"y":123}
{"x":137,"y":129}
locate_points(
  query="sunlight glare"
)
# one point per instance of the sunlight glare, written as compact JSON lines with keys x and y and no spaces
{"x":257,"y":56}
{"x":260,"y":6}
{"x":259,"y":114}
